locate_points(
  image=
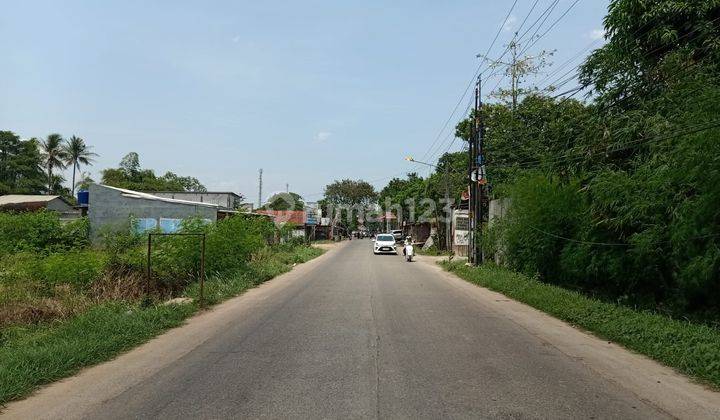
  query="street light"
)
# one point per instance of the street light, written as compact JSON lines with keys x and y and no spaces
{"x":448,"y":243}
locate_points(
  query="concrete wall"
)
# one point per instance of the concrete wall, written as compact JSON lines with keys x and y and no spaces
{"x":229,"y":201}
{"x":109,"y":209}
{"x":498,"y":209}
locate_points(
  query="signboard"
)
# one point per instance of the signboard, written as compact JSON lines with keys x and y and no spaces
{"x":310,"y":218}
{"x":462,"y":230}
{"x":461,"y":238}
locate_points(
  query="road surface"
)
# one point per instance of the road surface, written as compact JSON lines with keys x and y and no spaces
{"x":354,"y":335}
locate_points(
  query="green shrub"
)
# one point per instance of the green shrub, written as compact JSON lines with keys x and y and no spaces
{"x":540,"y":205}
{"x":76,"y":268}
{"x":40,"y":232}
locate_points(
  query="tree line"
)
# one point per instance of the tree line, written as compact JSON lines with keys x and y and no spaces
{"x":34,"y":166}
{"x":616,"y":193}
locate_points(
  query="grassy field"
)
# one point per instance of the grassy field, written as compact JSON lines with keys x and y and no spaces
{"x":42,"y":352}
{"x":691,"y":348}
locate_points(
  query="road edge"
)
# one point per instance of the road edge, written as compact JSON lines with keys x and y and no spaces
{"x":71,"y":396}
{"x":658,"y":385}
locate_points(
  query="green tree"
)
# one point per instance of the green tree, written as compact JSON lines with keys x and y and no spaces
{"x":175,"y":182}
{"x":54,"y":157}
{"x":77,"y":153}
{"x":404,"y":197}
{"x":20,"y":165}
{"x":643,"y":37}
{"x":285,"y":201}
{"x":84,"y":182}
{"x":130,"y":175}
{"x":347,"y":199}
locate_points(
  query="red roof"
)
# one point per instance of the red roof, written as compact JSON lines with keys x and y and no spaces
{"x":296,"y":217}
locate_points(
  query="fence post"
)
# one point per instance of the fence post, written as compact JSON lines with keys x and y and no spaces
{"x":202,"y":273}
{"x":149,"y":269}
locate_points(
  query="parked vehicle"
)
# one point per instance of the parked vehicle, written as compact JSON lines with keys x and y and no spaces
{"x":398,"y":234}
{"x":384,"y":244}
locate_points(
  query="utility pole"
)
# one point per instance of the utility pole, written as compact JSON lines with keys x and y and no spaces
{"x":260,"y":189}
{"x":481,"y":178}
{"x":477,"y":179}
{"x":448,"y":217}
{"x":287,"y":188}
{"x":514,"y":73}
{"x":518,"y":68}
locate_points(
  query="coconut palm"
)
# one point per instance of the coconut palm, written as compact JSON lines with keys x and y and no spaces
{"x":53,"y":156}
{"x":77,"y":153}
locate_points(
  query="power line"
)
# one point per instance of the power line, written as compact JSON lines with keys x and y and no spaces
{"x":587,"y":151}
{"x":530,"y":45}
{"x":614,"y":244}
{"x":467,"y":89}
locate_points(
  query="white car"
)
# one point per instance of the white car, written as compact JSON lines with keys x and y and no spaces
{"x":384,"y":244}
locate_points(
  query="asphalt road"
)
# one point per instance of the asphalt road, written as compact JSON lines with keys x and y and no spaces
{"x":364,"y":336}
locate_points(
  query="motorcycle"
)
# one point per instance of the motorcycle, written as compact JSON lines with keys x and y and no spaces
{"x":408,"y":251}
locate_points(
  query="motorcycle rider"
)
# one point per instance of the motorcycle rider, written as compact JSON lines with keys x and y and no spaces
{"x":408,"y":250}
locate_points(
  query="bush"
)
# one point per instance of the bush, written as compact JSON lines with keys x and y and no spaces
{"x":76,"y":268}
{"x":540,"y":205}
{"x":40,"y":232}
{"x":229,"y":244}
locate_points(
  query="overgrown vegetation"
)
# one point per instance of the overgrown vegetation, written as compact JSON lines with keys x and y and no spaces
{"x":65,"y":304}
{"x":691,"y":348}
{"x":615,"y":195}
{"x":624,"y":205}
{"x":131,"y":176}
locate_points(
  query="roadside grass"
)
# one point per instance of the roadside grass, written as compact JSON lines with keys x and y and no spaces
{"x":433,"y":252}
{"x":37,"y":354}
{"x":691,"y":348}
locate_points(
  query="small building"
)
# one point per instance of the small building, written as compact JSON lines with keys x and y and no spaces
{"x":226,"y":200}
{"x":112,"y":208}
{"x":30,"y":203}
{"x":419,"y":231}
{"x":302,"y":226}
{"x":460,"y":232}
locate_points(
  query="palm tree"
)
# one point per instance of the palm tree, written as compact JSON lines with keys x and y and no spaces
{"x":84,"y":181}
{"x":53,"y":156}
{"x":77,"y":152}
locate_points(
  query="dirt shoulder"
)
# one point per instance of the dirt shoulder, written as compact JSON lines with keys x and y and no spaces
{"x":661,"y":386}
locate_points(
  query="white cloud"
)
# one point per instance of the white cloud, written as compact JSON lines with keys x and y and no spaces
{"x":596,"y":34}
{"x":510,"y":23}
{"x":322,"y":136}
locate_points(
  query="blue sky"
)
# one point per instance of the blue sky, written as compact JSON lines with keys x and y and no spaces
{"x":309,"y":91}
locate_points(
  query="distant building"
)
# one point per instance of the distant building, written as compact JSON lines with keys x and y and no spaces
{"x":226,"y":200}
{"x":298,"y":219}
{"x":28,"y":203}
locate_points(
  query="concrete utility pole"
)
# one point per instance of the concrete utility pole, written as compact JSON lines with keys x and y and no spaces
{"x":518,"y":68}
{"x":260,"y":189}
{"x":448,"y":217}
{"x":514,"y":74}
{"x":477,"y":179}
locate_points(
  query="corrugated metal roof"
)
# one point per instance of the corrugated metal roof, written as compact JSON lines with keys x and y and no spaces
{"x":296,"y":217}
{"x":21,"y":199}
{"x":146,"y":196}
